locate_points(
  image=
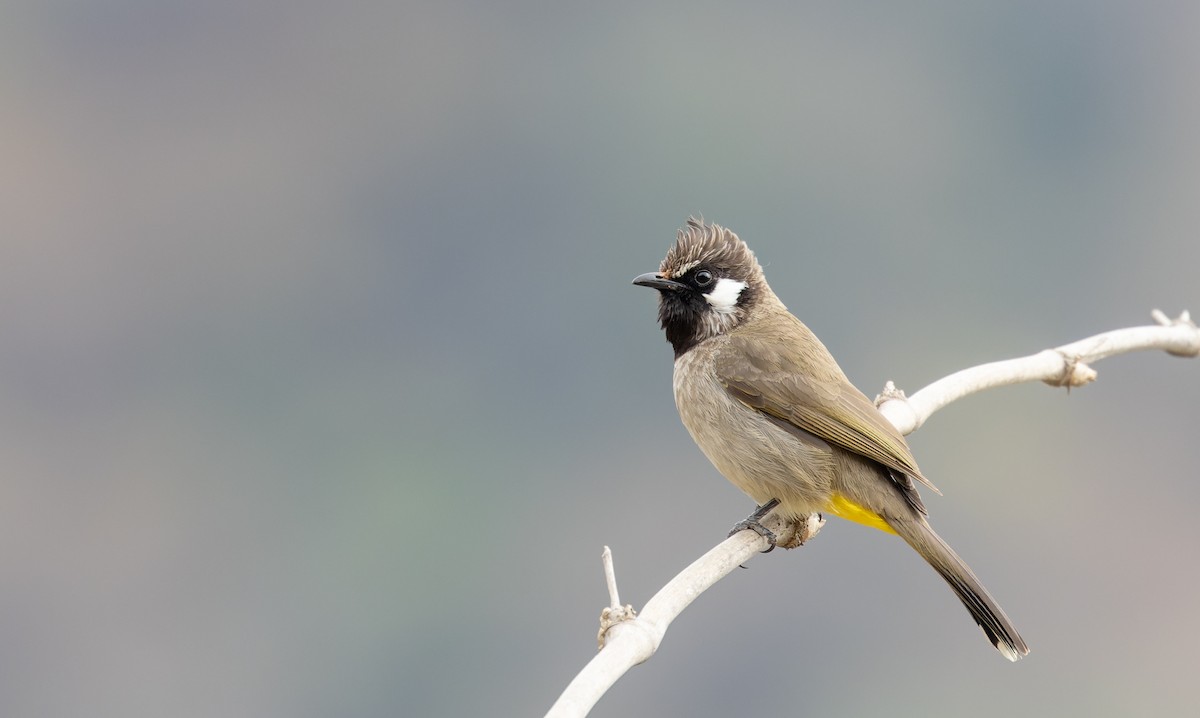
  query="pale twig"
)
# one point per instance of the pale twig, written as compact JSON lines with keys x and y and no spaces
{"x":614,"y":613}
{"x":1067,"y":365}
{"x":610,"y":577}
{"x":629,"y":642}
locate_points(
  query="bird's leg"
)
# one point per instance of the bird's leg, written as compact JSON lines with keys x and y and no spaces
{"x":752,"y":522}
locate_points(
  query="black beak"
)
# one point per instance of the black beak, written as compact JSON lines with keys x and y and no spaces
{"x":658,"y":281}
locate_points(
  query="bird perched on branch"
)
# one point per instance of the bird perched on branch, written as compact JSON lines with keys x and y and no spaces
{"x":773,"y":411}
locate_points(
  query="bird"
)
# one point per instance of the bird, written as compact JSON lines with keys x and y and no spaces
{"x":769,"y":406}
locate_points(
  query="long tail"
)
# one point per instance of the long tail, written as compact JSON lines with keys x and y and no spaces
{"x":966,"y":585}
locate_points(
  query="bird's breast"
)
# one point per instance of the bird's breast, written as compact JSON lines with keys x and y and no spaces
{"x":757,"y":456}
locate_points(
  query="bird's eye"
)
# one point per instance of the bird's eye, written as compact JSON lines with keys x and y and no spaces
{"x":703,"y":278}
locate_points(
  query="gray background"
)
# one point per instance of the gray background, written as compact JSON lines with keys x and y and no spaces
{"x":322,"y":382}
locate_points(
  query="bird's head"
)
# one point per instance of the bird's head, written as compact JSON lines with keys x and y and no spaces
{"x":708,"y":283}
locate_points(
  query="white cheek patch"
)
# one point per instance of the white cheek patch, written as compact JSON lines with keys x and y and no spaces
{"x":724,"y":296}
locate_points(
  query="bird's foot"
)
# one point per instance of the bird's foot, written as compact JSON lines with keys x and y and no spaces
{"x":752,"y":522}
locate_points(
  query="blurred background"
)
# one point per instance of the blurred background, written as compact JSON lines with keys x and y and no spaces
{"x":322,"y":381}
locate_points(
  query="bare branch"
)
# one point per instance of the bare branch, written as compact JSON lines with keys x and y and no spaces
{"x":627,"y":639}
{"x":1067,"y":365}
{"x":610,"y":577}
{"x":628,"y":643}
{"x":615,"y":613}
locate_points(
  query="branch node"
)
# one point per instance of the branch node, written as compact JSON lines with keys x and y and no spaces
{"x":1075,"y":372}
{"x":1183,"y":320}
{"x":890,"y":393}
{"x":897,"y":408}
{"x":612,"y":616}
{"x":614,"y":613}
{"x":798,"y":532}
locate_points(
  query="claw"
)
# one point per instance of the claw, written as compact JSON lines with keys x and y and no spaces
{"x":752,"y":522}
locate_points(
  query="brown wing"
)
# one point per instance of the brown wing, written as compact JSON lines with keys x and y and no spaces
{"x":820,"y":401}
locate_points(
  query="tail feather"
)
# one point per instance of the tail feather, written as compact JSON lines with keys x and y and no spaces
{"x":982,"y":607}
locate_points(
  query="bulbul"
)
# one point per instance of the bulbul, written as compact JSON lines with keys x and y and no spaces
{"x":771,"y":409}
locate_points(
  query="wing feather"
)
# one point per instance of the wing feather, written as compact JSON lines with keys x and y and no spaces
{"x":825,"y":404}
